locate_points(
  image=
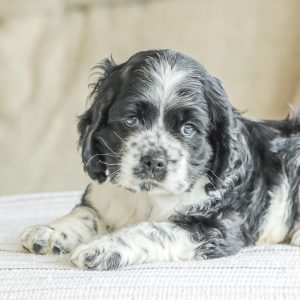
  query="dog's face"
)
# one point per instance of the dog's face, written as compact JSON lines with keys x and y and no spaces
{"x":157,"y":124}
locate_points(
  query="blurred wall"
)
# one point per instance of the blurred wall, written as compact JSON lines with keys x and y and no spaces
{"x":47,"y":49}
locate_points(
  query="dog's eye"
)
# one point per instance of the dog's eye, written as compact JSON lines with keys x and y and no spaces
{"x":131,"y":121}
{"x":187,"y":129}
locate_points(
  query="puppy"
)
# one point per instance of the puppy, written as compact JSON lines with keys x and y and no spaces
{"x":178,"y":173}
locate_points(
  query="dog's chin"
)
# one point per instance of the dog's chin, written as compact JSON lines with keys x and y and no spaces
{"x":146,"y":187}
{"x":153,"y":187}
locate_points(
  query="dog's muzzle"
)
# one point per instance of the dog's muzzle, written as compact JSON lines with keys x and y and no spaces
{"x":153,"y":166}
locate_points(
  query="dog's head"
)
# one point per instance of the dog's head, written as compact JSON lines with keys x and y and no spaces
{"x":157,"y":123}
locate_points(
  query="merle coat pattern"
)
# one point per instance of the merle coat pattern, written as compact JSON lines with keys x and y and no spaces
{"x":178,"y":173}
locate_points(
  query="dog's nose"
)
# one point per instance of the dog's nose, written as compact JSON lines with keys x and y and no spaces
{"x":156,"y":161}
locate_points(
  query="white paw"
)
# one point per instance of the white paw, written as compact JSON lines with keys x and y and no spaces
{"x":104,"y":254}
{"x":43,"y":239}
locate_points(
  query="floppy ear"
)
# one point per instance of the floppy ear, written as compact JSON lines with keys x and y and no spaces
{"x":93,"y":119}
{"x":223,"y":134}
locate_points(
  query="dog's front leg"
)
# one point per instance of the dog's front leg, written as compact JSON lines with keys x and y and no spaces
{"x":141,"y":243}
{"x":187,"y":237}
{"x":64,"y":234}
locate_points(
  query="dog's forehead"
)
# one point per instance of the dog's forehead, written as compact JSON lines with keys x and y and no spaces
{"x":165,"y":82}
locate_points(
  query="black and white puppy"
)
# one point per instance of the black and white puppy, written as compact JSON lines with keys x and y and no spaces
{"x":183,"y":176}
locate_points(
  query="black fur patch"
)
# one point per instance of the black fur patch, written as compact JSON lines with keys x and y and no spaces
{"x":219,"y":234}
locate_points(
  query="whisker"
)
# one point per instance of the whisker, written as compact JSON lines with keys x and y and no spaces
{"x":120,"y":138}
{"x":102,"y":162}
{"x":99,"y":154}
{"x":213,"y":173}
{"x":210,"y":181}
{"x":105,"y":163}
{"x":106,"y":154}
{"x":90,"y":159}
{"x":108,"y":146}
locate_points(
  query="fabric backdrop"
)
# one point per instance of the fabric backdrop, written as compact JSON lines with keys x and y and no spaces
{"x":47,"y":49}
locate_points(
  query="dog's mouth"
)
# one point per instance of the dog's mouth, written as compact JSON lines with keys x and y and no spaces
{"x":146,"y":186}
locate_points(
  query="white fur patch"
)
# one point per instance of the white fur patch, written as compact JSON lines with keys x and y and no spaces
{"x":143,"y":243}
{"x":119,"y":207}
{"x":275,"y":227}
{"x":168,"y":78}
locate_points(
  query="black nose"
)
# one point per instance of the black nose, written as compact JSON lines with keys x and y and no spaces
{"x":155,"y":161}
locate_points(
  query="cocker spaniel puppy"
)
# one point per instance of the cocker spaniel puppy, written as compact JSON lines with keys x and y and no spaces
{"x":179,"y":173}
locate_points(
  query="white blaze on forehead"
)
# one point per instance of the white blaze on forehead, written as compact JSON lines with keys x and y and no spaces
{"x":166,"y":79}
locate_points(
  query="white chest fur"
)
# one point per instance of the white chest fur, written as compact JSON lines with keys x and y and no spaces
{"x":119,"y":207}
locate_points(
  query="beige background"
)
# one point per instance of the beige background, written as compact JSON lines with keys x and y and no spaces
{"x":47,"y":49}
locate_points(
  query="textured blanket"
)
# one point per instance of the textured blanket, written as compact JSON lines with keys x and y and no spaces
{"x":255,"y":273}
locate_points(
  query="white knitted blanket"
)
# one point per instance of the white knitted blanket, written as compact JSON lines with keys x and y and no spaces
{"x":255,"y":273}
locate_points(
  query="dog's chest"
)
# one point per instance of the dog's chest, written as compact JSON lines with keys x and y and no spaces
{"x":119,"y":207}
